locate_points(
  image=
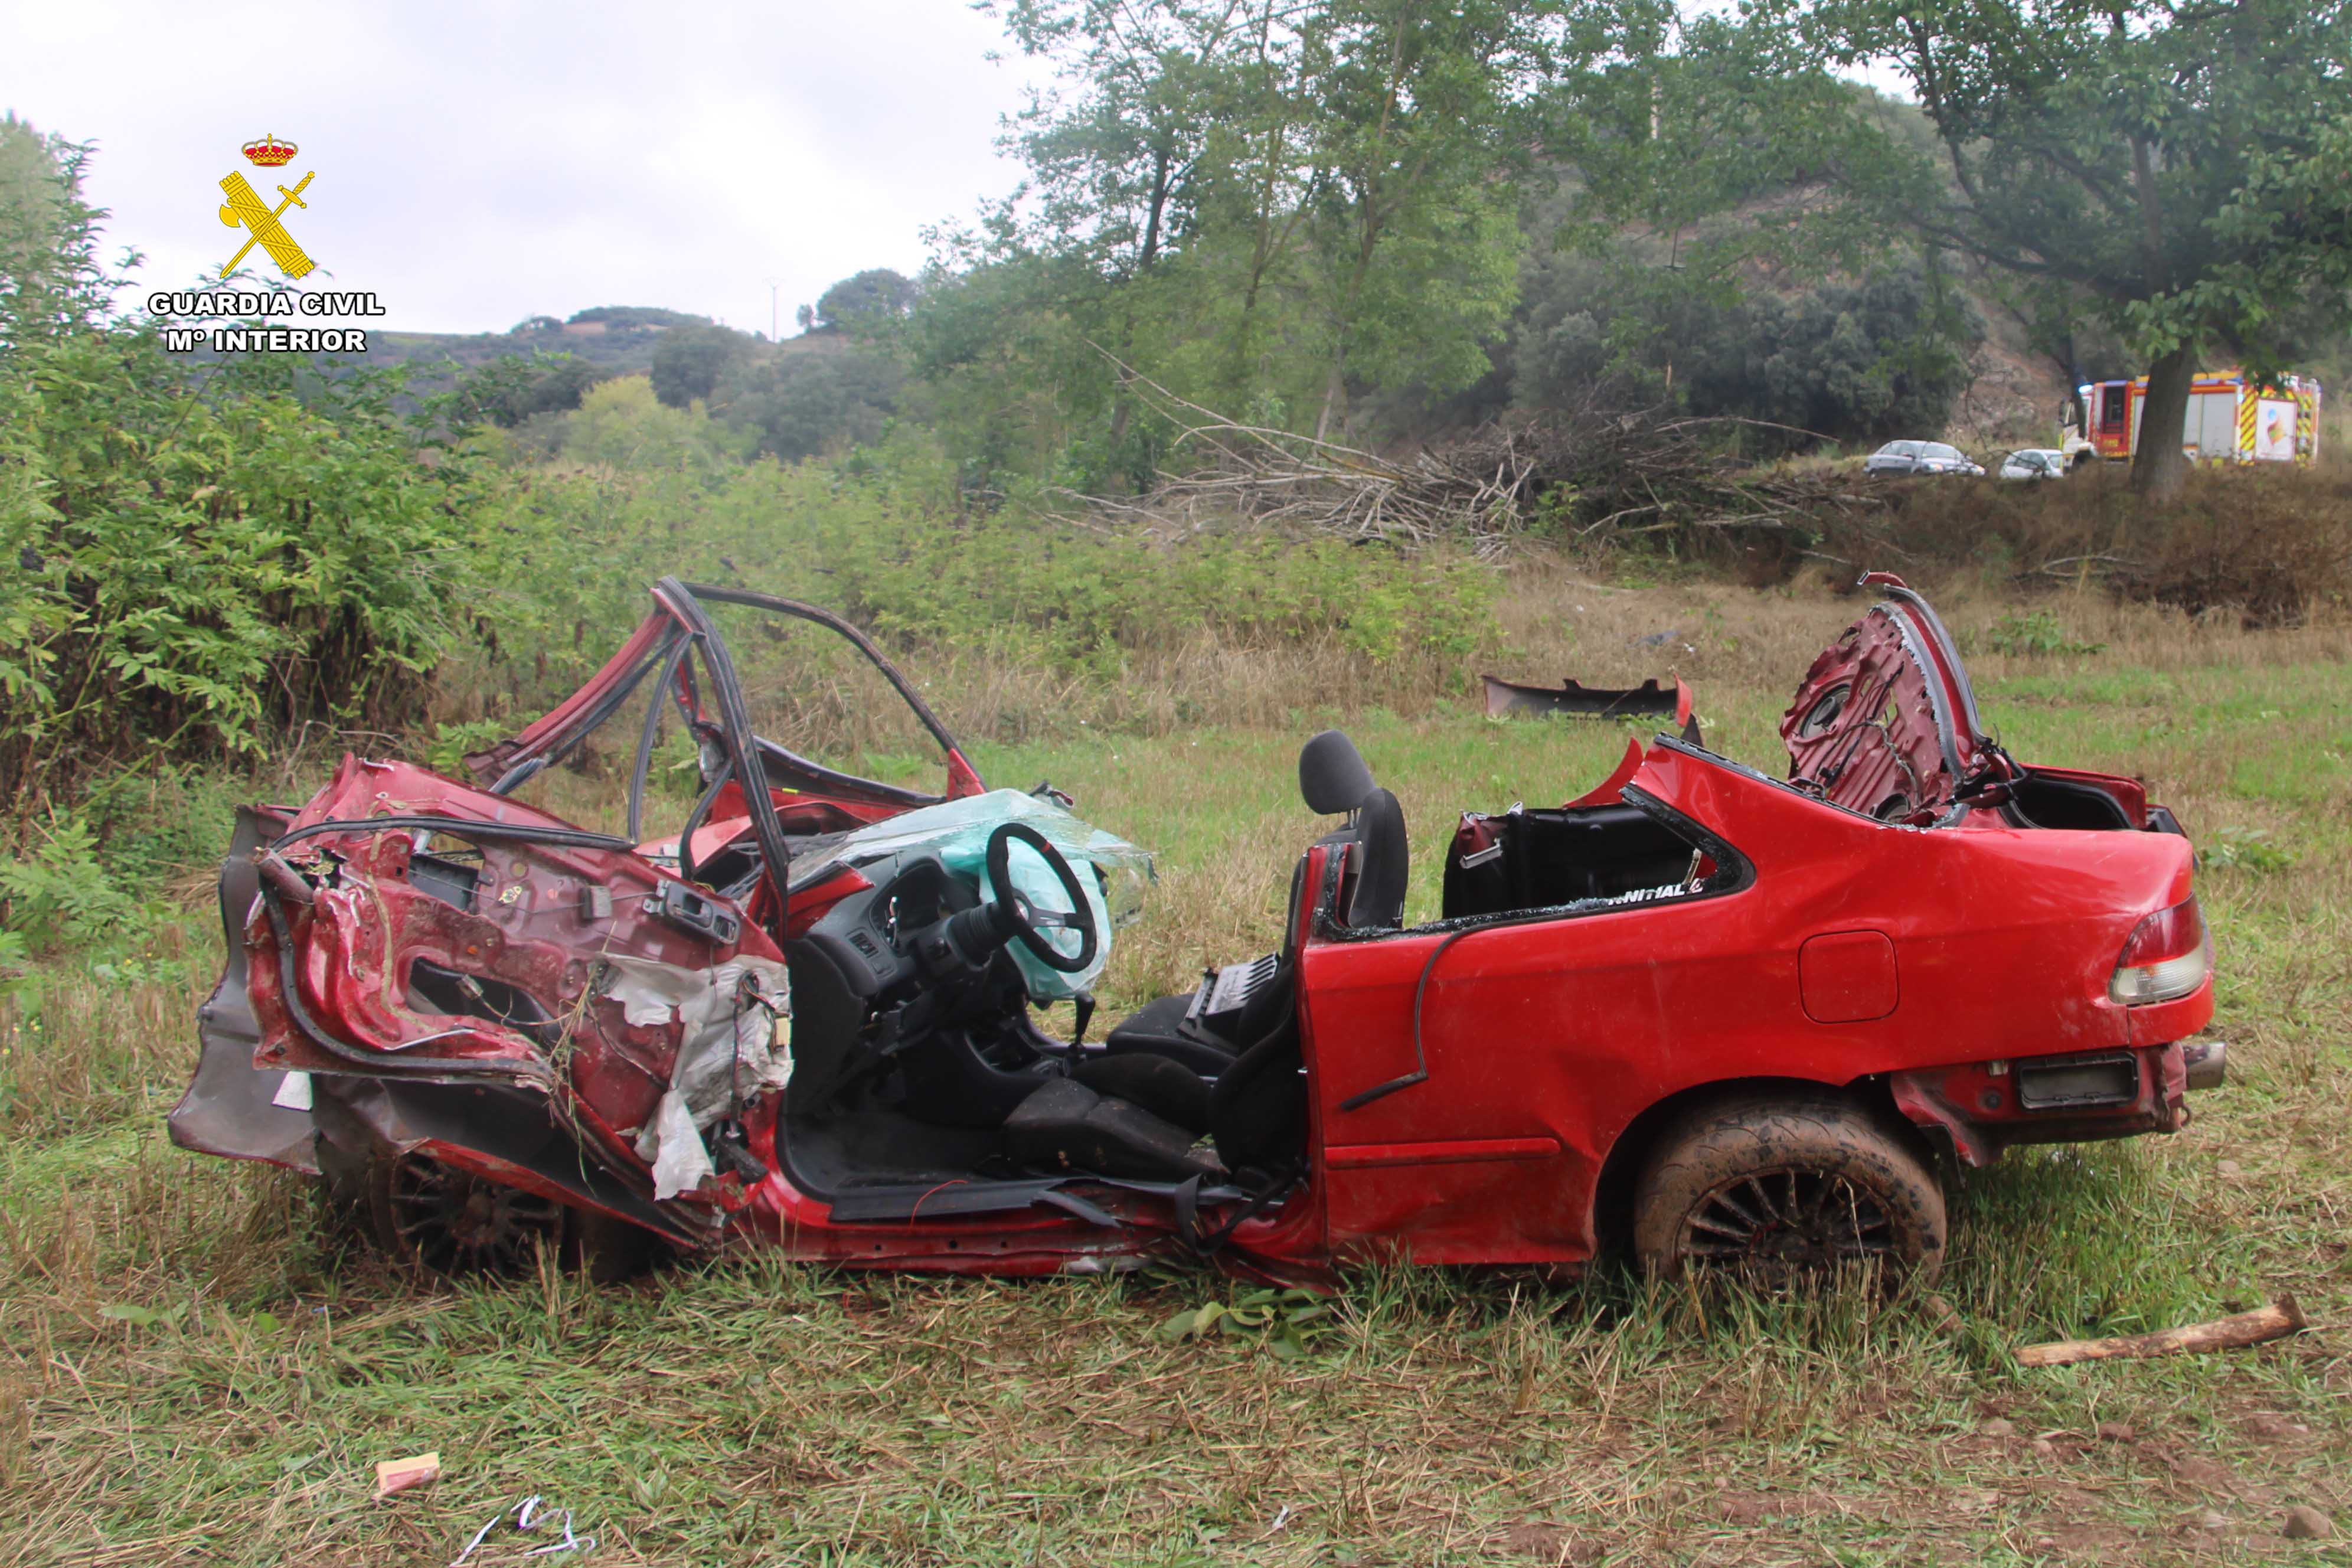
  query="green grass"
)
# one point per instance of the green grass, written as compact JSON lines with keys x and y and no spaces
{"x":749,"y":1411}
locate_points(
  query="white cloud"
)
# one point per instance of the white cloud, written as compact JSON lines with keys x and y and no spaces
{"x":478,"y":163}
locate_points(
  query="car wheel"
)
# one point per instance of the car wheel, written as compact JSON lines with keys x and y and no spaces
{"x":1784,"y":1191}
{"x":447,"y":1222}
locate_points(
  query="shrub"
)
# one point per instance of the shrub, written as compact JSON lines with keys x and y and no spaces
{"x":60,"y":894}
{"x":2269,"y":541}
{"x":885,"y":541}
{"x":190,"y":570}
{"x":2033,"y":632}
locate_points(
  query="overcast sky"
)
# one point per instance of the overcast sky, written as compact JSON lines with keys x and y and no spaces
{"x":478,"y":163}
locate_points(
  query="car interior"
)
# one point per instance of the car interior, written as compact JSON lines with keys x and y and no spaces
{"x":921,"y":1081}
{"x":916,"y":1062}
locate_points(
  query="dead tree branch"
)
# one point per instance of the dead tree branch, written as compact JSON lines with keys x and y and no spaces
{"x":1586,"y":472}
{"x":2275,"y":1322}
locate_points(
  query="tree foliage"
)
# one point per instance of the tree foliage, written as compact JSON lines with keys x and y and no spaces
{"x":1855,"y":360}
{"x":196,"y":568}
{"x":797,"y":405}
{"x":1259,"y":205}
{"x":689,"y":361}
{"x":868,"y":300}
{"x":51,"y":280}
{"x":2176,"y":169}
{"x":513,"y":388}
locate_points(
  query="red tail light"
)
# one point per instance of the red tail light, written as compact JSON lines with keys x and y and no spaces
{"x":2168,"y":956}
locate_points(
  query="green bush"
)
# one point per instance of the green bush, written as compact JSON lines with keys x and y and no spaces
{"x":2036,"y":632}
{"x":569,"y":554}
{"x":60,"y":894}
{"x":195,"y":569}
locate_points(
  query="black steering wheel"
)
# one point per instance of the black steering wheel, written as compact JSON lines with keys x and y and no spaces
{"x":1030,"y":924}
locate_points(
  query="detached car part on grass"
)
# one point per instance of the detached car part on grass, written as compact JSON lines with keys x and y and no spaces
{"x":1573,"y":700}
{"x":1724,"y":1018}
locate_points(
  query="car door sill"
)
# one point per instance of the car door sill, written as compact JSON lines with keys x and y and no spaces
{"x":1457,"y":1151}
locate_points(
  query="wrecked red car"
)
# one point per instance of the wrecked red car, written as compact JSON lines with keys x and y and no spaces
{"x":1715,"y":1016}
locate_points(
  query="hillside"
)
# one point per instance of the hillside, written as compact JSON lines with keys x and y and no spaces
{"x":618,"y":340}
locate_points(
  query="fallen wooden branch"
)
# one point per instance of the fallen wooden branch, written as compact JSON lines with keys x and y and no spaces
{"x":2263,"y":1323}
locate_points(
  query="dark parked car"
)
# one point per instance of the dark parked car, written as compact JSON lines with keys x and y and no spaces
{"x":1920,"y":457}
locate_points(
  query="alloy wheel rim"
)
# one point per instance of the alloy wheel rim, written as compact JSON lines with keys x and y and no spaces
{"x":1789,"y":1220}
{"x":452,"y":1222}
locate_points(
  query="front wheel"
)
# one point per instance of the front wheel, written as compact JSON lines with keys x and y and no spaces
{"x":447,"y":1224}
{"x":1784,"y":1190}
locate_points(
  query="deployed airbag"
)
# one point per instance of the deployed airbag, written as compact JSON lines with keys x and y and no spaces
{"x":957,"y":831}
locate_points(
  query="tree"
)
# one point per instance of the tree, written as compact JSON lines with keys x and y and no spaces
{"x":803,"y":405}
{"x":51,"y":277}
{"x":512,"y":388}
{"x":689,"y":361}
{"x":1422,"y":122}
{"x":1114,"y":148}
{"x":869,"y":298}
{"x":1254,"y":202}
{"x":1857,"y":360}
{"x":2177,"y":168}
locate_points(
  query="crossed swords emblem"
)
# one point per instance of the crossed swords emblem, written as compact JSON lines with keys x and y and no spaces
{"x":243,"y":207}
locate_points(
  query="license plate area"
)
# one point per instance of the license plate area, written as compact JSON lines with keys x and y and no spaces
{"x":2075,"y":1083}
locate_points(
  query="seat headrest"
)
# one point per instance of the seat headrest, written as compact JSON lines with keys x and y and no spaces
{"x":1332,"y":774}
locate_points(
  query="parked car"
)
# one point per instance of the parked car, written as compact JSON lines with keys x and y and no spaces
{"x":1920,"y":457}
{"x":1723,"y":1018}
{"x":2035,"y":463}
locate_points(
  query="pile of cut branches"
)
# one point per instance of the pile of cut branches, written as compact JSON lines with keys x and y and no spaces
{"x":1587,"y":474}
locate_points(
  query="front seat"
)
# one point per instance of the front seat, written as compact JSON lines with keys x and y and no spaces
{"x":1333,"y":779}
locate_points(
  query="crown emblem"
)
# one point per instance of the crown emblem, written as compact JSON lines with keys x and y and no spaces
{"x":269,"y":152}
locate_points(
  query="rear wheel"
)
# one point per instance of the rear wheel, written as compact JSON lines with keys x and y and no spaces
{"x":1787,"y":1190}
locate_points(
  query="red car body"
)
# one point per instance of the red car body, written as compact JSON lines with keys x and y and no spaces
{"x":1896,"y":925}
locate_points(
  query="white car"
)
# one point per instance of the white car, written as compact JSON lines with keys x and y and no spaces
{"x":2035,"y":463}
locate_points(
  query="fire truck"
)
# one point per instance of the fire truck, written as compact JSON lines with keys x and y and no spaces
{"x":2231,"y":418}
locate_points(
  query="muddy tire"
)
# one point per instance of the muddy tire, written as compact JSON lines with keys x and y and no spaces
{"x":448,"y":1223}
{"x":1786,"y":1191}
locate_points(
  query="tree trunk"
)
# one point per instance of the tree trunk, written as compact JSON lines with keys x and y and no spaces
{"x":2157,"y":466}
{"x":1334,"y":393}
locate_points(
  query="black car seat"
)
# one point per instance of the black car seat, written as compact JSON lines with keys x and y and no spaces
{"x":1183,"y":1029}
{"x":1333,"y":780}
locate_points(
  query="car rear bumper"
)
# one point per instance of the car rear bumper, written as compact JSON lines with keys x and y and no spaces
{"x":2078,"y":1097}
